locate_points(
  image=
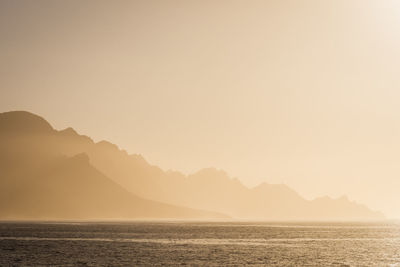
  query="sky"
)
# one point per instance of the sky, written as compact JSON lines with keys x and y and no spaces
{"x":303,"y":93}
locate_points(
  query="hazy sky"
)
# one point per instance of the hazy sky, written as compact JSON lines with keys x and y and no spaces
{"x":301,"y":92}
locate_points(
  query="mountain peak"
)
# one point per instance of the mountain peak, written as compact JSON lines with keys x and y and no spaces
{"x":108,"y":145}
{"x":69,"y":132}
{"x":23,"y":122}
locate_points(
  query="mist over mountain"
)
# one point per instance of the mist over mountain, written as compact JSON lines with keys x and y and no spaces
{"x":39,"y":181}
{"x":61,"y":174}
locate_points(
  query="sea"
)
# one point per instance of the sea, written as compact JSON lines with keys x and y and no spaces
{"x":173,"y":243}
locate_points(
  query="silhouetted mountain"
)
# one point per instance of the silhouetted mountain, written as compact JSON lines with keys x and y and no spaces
{"x":208,"y":189}
{"x":37,"y":181}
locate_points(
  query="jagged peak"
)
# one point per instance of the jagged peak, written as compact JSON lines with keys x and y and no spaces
{"x":72,"y":133}
{"x":139,"y":158}
{"x":68,"y":131}
{"x":107,"y":145}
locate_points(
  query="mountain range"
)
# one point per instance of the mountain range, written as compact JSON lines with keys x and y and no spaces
{"x":52,"y":174}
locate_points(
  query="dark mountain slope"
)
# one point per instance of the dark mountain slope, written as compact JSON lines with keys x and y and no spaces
{"x":38,"y":182}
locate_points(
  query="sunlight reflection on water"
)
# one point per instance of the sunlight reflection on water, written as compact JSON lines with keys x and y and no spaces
{"x":149,"y":243}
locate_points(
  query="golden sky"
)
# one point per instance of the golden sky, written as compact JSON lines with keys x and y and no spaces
{"x":298,"y":92}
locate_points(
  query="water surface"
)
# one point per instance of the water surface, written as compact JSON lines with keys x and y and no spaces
{"x":199,"y":243}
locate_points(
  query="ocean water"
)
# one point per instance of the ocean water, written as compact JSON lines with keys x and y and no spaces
{"x":199,"y":243}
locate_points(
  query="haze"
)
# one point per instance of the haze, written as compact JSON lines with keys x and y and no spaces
{"x":297,"y":92}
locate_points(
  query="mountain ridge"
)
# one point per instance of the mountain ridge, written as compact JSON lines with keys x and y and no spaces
{"x":49,"y":185}
{"x":207,"y":189}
